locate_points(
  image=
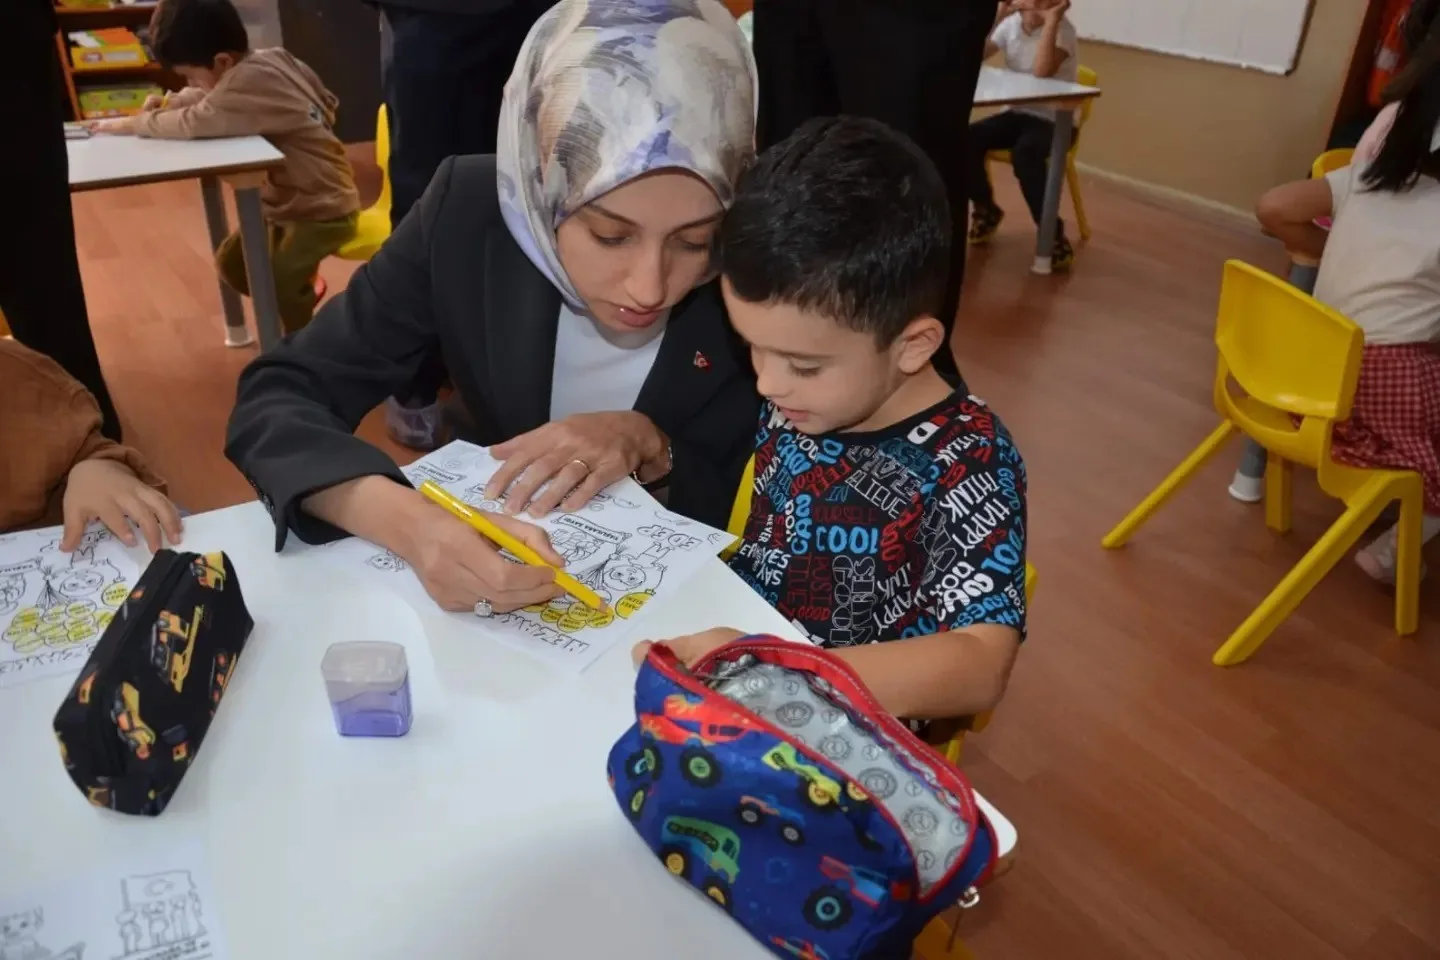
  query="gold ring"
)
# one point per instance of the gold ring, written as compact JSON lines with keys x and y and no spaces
{"x":582,"y":463}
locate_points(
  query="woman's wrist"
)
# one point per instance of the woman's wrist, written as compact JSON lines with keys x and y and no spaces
{"x":373,"y":507}
{"x":655,"y":456}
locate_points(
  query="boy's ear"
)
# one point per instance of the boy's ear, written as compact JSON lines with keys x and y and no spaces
{"x":223,"y":62}
{"x":918,"y":342}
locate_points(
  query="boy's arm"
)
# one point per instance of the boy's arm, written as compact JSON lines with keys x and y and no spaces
{"x":1050,"y":52}
{"x":958,"y":673}
{"x":1288,"y":213}
{"x":231,"y":110}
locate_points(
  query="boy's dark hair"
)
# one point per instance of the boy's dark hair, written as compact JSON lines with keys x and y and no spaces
{"x":192,"y":33}
{"x":847,"y":218}
{"x":1408,"y":152}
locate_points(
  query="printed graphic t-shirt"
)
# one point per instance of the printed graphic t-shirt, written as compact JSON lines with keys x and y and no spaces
{"x":911,"y":530}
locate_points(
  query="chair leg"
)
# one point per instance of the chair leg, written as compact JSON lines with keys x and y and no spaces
{"x":1279,"y":484}
{"x":1157,"y":498}
{"x":1298,"y":583}
{"x":1407,"y":561}
{"x":1072,"y":176}
{"x":939,"y":940}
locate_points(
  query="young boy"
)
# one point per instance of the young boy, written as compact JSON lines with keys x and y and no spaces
{"x":55,"y":466}
{"x":1036,"y":38}
{"x":310,"y":202}
{"x":888,"y":518}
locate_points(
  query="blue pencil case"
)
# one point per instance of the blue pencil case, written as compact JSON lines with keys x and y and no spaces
{"x":769,"y":779}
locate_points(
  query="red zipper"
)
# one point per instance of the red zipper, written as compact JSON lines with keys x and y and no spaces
{"x":832,"y":669}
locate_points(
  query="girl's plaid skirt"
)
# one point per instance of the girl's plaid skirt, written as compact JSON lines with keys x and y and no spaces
{"x":1395,"y":421}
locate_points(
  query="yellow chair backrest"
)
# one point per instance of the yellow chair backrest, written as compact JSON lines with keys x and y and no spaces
{"x":1089,"y":78}
{"x":382,"y":156}
{"x":1291,"y":354}
{"x":1331,"y":160}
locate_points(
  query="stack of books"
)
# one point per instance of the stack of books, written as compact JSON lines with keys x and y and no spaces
{"x":106,"y":49}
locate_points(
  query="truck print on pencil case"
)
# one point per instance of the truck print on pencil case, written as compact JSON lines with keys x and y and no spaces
{"x":161,"y":916}
{"x":20,"y":938}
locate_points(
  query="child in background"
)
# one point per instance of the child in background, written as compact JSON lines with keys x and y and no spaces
{"x":310,"y":201}
{"x":1381,"y":268}
{"x":1036,"y":38}
{"x":888,"y":516}
{"x":55,"y":466}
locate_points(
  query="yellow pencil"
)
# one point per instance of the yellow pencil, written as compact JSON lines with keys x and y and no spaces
{"x":487,"y":529}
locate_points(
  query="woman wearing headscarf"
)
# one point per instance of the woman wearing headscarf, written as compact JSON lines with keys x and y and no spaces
{"x":566,"y":281}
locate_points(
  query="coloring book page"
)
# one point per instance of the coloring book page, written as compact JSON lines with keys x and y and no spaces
{"x":161,"y":908}
{"x":54,"y":606}
{"x":623,"y":545}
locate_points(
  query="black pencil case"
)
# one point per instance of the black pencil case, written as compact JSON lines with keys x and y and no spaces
{"x":133,"y":721}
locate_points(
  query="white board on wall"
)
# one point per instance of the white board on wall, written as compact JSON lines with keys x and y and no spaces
{"x":1257,"y":34}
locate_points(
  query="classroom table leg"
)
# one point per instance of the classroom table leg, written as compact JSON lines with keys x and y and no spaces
{"x":236,"y":333}
{"x":255,"y":236}
{"x":1054,"y":184}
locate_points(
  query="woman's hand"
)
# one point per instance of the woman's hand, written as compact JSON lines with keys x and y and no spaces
{"x":574,"y":459}
{"x":459,"y":567}
{"x":108,"y":491}
{"x":690,"y":649}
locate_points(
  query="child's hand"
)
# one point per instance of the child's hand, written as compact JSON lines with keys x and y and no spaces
{"x":152,"y":103}
{"x":115,"y":125}
{"x":1053,"y":14}
{"x":107,"y":491}
{"x":690,"y":649}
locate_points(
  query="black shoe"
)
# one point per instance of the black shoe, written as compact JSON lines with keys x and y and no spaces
{"x":985,"y":223}
{"x":1063,"y":255}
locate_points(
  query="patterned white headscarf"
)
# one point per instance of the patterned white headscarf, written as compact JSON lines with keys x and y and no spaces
{"x":607,"y":90}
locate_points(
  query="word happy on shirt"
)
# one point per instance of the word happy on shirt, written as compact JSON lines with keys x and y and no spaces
{"x":914,"y":529}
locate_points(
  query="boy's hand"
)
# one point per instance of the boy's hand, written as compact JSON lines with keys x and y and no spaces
{"x":107,"y":491}
{"x":1054,"y":13}
{"x":691,"y":648}
{"x":115,"y":125}
{"x":152,"y":103}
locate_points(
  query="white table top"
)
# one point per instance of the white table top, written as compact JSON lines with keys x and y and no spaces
{"x":115,"y":161}
{"x":488,"y":831}
{"x":999,"y":88}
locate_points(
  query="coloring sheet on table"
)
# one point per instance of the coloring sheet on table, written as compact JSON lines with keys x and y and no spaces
{"x":161,"y":908}
{"x":624,"y":545}
{"x":54,"y":605}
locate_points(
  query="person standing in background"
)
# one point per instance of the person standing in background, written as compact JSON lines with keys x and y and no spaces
{"x":40,"y":290}
{"x":445,"y":63}
{"x":911,"y":64}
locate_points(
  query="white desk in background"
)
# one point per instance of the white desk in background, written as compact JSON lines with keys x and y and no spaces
{"x":104,"y":161}
{"x":488,"y":831}
{"x":1007,"y":88}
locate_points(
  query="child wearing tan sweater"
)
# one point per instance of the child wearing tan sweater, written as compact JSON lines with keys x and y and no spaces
{"x":310,"y":201}
{"x":56,"y":467}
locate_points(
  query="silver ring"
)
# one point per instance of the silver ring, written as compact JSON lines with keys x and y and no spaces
{"x":588,"y":468}
{"x":483,"y":608}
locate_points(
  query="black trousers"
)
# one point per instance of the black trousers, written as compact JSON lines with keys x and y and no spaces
{"x":912,"y":64}
{"x":1028,"y":139}
{"x":443,"y":88}
{"x":40,"y":290}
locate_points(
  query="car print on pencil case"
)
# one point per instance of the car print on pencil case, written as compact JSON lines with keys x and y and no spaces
{"x":125,"y":714}
{"x":753,"y":811}
{"x":829,"y":907}
{"x":172,"y":641}
{"x":712,"y":725}
{"x":208,"y":569}
{"x":817,"y":789}
{"x":220,"y":670}
{"x":686,"y":843}
{"x":801,"y":949}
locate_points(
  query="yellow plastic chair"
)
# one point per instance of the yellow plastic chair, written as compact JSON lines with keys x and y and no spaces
{"x":1294,"y":357}
{"x":374,"y":224}
{"x":4,"y":327}
{"x":1089,"y":78}
{"x":1329,"y":161}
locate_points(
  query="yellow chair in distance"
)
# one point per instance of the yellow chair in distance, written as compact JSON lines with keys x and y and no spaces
{"x":1294,"y":357}
{"x":1089,"y":78}
{"x":373,"y":227}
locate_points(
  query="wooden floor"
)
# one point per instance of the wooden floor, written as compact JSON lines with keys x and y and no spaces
{"x":1288,"y":808}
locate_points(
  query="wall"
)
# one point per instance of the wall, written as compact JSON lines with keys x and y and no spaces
{"x":1220,"y":133}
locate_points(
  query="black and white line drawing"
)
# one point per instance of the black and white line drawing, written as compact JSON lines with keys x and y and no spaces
{"x":20,"y":938}
{"x":160,"y":910}
{"x":388,"y":561}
